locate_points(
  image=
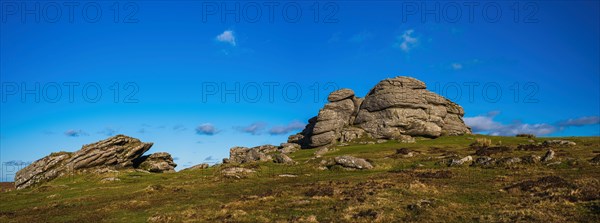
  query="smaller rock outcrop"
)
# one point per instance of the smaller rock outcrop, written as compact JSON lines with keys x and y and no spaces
{"x":282,"y":158}
{"x":236,"y":172}
{"x":115,"y":153}
{"x":157,"y":163}
{"x":247,"y":155}
{"x":198,"y":167}
{"x":559,"y":143}
{"x":548,"y":156}
{"x":458,"y":162}
{"x":353,"y":162}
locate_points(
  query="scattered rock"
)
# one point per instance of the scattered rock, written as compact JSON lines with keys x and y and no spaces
{"x":559,"y":143}
{"x":287,"y":175}
{"x":320,"y":152}
{"x":254,"y":154}
{"x":483,"y":161}
{"x":282,"y":158}
{"x":198,"y":167}
{"x":404,"y":153}
{"x":236,"y":172}
{"x":287,"y":148}
{"x":421,"y":205}
{"x":531,"y":159}
{"x":458,"y":162}
{"x":548,"y":156}
{"x":160,"y":218}
{"x":353,"y":162}
{"x":531,"y":136}
{"x":157,"y":163}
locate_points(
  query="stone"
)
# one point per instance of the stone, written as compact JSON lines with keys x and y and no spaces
{"x":236,"y":172}
{"x":398,"y":108}
{"x":421,"y":205}
{"x":483,"y":161}
{"x":282,"y":158}
{"x":115,"y":153}
{"x":559,"y":143}
{"x":254,"y":154}
{"x":548,"y":156}
{"x":287,"y":175}
{"x":287,"y":148}
{"x":340,"y":94}
{"x":458,"y":162}
{"x":198,"y":167}
{"x":157,"y":163}
{"x":353,"y":162}
{"x":531,"y":159}
{"x":320,"y":152}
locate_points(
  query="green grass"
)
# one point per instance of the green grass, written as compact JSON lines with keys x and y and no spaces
{"x":468,"y":194}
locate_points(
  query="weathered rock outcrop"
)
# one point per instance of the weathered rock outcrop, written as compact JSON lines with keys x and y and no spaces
{"x":397,"y":108}
{"x":198,"y":167}
{"x":353,"y":162}
{"x":117,"y":152}
{"x":157,"y":163}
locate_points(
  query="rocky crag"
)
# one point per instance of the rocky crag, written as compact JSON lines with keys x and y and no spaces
{"x":398,"y":108}
{"x":116,"y":153}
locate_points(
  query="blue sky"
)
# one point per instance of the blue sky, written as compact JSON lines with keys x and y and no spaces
{"x":170,"y":72}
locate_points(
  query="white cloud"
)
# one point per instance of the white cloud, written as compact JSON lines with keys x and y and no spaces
{"x":206,"y":129}
{"x":292,"y":126}
{"x":75,"y":133}
{"x":589,"y":120}
{"x":227,"y":37}
{"x":407,"y":41}
{"x":486,"y":124}
{"x":254,"y":128}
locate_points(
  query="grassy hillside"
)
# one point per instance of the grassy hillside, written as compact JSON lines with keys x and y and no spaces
{"x":420,"y":188}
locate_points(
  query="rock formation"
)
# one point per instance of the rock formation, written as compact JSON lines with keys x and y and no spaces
{"x":117,"y":152}
{"x":398,"y":108}
{"x":262,"y":153}
{"x":157,"y":163}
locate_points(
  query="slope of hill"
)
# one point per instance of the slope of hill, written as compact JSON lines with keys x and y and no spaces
{"x":419,"y":182}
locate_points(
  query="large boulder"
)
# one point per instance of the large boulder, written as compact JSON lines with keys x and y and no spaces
{"x":117,"y":152}
{"x":157,"y":163}
{"x":254,"y":154}
{"x":397,"y":108}
{"x":353,"y":162}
